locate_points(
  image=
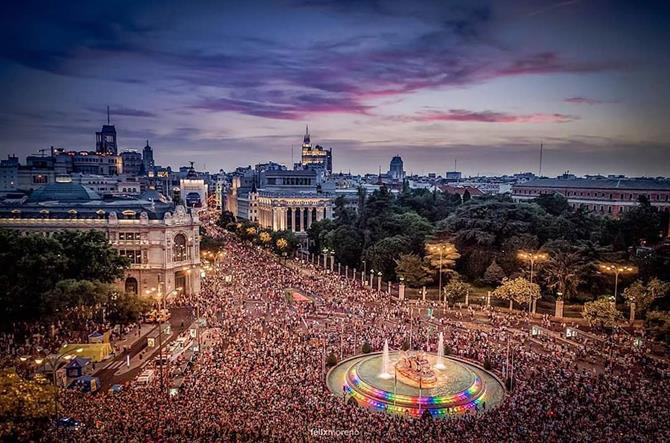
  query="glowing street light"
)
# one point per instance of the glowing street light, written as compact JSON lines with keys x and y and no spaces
{"x":532,"y":258}
{"x":616,"y":270}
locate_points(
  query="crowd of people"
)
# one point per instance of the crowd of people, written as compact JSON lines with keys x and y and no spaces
{"x":260,"y":373}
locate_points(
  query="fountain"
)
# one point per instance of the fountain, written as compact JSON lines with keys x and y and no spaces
{"x":440,"y":353}
{"x":386,"y":362}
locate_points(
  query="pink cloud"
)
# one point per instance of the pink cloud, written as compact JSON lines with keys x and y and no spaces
{"x":462,"y":115}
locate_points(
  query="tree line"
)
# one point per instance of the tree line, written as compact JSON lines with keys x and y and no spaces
{"x":66,"y":277}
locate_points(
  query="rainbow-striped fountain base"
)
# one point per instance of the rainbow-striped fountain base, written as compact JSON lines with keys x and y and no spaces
{"x":461,"y":387}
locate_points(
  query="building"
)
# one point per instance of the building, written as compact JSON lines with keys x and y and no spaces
{"x":132,"y":163}
{"x":453,"y":176}
{"x":148,"y":158}
{"x":193,"y":190}
{"x":161,"y":240}
{"x":600,"y":195}
{"x":105,"y":140}
{"x":396,"y":171}
{"x":280,"y":199}
{"x":316,"y":157}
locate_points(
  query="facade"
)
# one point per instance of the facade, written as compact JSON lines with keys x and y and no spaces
{"x":160,"y":239}
{"x":132,"y":162}
{"x":193,"y":190}
{"x":292,"y":212}
{"x":601,"y":195}
{"x":316,"y":157}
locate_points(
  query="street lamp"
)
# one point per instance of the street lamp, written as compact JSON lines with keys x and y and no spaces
{"x":532,"y":258}
{"x":372,"y":275}
{"x":54,"y":361}
{"x":363,"y":273}
{"x":379,"y":281}
{"x":325,"y":258}
{"x":616,"y":270}
{"x":442,"y":249}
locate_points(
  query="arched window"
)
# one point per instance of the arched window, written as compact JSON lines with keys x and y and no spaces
{"x":179,"y":248}
{"x":131,"y":285}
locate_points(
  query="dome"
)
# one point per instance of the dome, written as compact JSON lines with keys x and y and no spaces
{"x":63,"y":192}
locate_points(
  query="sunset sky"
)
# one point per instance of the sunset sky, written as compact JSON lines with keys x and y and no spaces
{"x":234,"y":83}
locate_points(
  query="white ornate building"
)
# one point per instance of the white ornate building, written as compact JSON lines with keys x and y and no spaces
{"x":160,"y":240}
{"x":292,"y":212}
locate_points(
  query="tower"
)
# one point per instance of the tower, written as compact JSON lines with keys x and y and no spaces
{"x":105,"y":140}
{"x":148,"y":158}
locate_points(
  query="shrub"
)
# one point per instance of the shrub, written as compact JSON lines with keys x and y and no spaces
{"x":366,"y":348}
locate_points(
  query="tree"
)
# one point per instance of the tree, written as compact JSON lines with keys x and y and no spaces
{"x":382,"y":255}
{"x":601,"y":313}
{"x":564,"y":271}
{"x":265,"y":238}
{"x":658,"y":325}
{"x":519,"y":289}
{"x":414,"y":270}
{"x":90,"y":256}
{"x":125,"y":308}
{"x":494,"y":274}
{"x":284,"y":241}
{"x":466,"y":196}
{"x":316,"y":234}
{"x":554,"y":204}
{"x":225,"y":219}
{"x":348,"y":244}
{"x":643,"y":295}
{"x":23,"y":400}
{"x":456,"y":290}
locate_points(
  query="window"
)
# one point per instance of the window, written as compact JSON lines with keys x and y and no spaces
{"x":134,"y":256}
{"x":179,"y":250}
{"x":129,"y":235}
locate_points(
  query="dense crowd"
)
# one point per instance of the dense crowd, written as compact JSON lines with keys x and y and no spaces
{"x":260,"y":376}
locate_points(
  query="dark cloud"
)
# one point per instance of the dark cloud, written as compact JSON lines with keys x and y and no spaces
{"x":583,"y":101}
{"x":461,"y":115}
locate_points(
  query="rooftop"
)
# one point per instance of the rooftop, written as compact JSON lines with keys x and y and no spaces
{"x":607,"y":183}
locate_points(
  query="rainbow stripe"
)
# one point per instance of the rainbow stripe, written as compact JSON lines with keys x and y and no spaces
{"x":439,"y":405}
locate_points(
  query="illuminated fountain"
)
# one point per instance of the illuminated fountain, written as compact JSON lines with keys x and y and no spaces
{"x":440,"y":353}
{"x":386,"y":362}
{"x":412,"y":385}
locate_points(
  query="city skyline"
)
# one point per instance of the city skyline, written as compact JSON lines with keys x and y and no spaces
{"x":482,"y":83}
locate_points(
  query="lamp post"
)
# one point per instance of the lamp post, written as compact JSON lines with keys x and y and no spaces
{"x":441,"y":248}
{"x":616,"y":270}
{"x":372,"y":275}
{"x":379,"y":281}
{"x":363,"y":273}
{"x":325,"y":258}
{"x":332,"y":261}
{"x":532,"y":258}
{"x":53,"y":362}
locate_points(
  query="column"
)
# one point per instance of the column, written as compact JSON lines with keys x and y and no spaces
{"x":309,"y":217}
{"x":559,"y":309}
{"x":319,"y":214}
{"x":301,"y":212}
{"x":631,"y":316}
{"x":401,"y":291}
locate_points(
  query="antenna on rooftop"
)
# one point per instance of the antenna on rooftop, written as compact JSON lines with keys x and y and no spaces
{"x":541,"y":152}
{"x":108,"y":114}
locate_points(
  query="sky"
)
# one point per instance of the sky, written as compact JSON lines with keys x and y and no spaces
{"x":476,"y":85}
